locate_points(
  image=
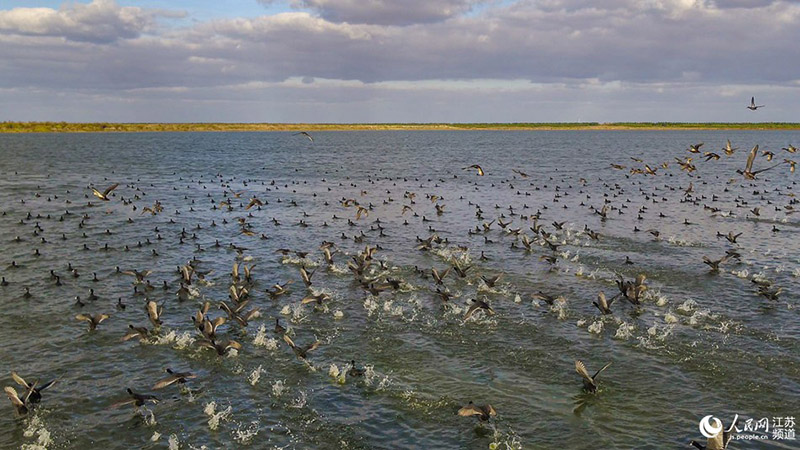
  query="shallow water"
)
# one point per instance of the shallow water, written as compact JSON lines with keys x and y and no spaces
{"x":700,"y":343}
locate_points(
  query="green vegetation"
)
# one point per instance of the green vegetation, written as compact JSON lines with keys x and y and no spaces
{"x":67,"y":127}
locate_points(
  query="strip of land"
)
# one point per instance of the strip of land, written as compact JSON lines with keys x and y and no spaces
{"x":70,"y":127}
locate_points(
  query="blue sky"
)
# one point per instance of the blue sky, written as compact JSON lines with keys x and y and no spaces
{"x":393,"y":61}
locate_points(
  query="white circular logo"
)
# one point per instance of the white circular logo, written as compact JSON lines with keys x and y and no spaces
{"x":708,"y":430}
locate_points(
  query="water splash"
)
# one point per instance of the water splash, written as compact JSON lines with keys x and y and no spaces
{"x":173,"y":442}
{"x":255,"y":375}
{"x":215,"y":417}
{"x":278,"y":388}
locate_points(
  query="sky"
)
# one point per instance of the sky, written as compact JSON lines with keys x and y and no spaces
{"x":399,"y":60}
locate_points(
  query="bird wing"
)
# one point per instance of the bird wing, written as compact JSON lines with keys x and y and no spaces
{"x":601,"y":300}
{"x":12,"y":395}
{"x":471,"y":311}
{"x":469,"y":410}
{"x":751,"y":158}
{"x":21,"y":381}
{"x":109,"y":189}
{"x":152,"y":310}
{"x":166,"y":382}
{"x":601,"y":369}
{"x":289,"y":341}
{"x":581,"y":369}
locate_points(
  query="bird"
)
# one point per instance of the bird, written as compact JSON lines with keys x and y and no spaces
{"x":154,"y":313}
{"x":520,"y":173}
{"x":714,"y":265}
{"x":589,"y":382}
{"x":484,"y":412}
{"x":355,"y":371}
{"x":475,"y":166}
{"x":719,"y":441}
{"x":104,"y":195}
{"x":306,"y":134}
{"x":729,"y":149}
{"x":752,"y":106}
{"x":174,"y":377}
{"x":478,"y":305}
{"x":221,"y":348}
{"x":139,"y":275}
{"x":695,"y":148}
{"x":20,"y":404}
{"x":93,"y":320}
{"x":301,"y":352}
{"x":602,"y":304}
{"x":35,"y":389}
{"x":135,"y":399}
{"x":491,"y":281}
{"x":136,"y":332}
{"x":748,"y":171}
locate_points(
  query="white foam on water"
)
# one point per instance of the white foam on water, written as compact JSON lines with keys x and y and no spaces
{"x":687,"y":306}
{"x":670,"y":318}
{"x":262,"y":339}
{"x":278,"y":388}
{"x":596,"y":327}
{"x":244,"y":435}
{"x":173,"y":442}
{"x":624,"y":331}
{"x":155,"y":437}
{"x":340,"y":376}
{"x":300,"y":401}
{"x":338,"y":314}
{"x":214,"y":416}
{"x":370,"y":305}
{"x":338,"y":269}
{"x":741,"y":273}
{"x":255,"y":375}
{"x":36,"y":428}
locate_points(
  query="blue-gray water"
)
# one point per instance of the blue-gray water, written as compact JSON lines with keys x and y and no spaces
{"x":700,"y":343}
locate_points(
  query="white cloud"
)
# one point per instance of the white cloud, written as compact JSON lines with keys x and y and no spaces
{"x":100,"y":21}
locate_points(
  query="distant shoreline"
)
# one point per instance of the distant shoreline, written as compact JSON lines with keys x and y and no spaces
{"x":68,"y":127}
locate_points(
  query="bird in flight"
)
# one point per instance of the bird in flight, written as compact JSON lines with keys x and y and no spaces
{"x":752,"y":106}
{"x":475,"y":166}
{"x":304,"y":133}
{"x":104,"y":195}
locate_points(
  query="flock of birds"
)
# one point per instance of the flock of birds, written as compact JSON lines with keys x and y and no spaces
{"x":523,"y":229}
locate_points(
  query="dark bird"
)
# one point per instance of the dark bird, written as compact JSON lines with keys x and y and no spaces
{"x":301,"y":352}
{"x":174,"y":377}
{"x":94,"y":320}
{"x":484,"y":412}
{"x":589,"y":382}
{"x":752,"y":106}
{"x":136,"y":400}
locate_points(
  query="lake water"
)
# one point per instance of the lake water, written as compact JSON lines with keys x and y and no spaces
{"x":700,"y":343}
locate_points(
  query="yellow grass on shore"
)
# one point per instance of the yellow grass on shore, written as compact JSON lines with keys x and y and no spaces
{"x":70,"y":127}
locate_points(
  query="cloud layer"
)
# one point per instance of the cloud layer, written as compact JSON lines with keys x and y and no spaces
{"x":646,"y":56}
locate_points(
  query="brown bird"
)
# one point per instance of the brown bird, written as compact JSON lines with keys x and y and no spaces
{"x":478,"y":305}
{"x":484,"y":412}
{"x":104,"y":195}
{"x":174,"y":377}
{"x":136,"y":400}
{"x":94,"y":320}
{"x":301,"y":352}
{"x":589,"y":382}
{"x":475,"y":166}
